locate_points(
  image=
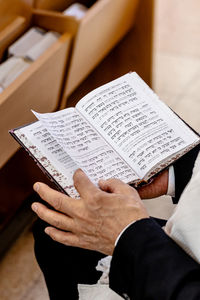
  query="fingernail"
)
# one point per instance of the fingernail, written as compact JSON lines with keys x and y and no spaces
{"x":36,"y":187}
{"x":47,"y":231}
{"x":34,"y":207}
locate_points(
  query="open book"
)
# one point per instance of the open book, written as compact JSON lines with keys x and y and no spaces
{"x":120,"y":130}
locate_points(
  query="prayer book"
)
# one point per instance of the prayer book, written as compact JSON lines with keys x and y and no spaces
{"x":23,"y":52}
{"x":38,"y":49}
{"x":26,"y":42}
{"x":11,"y":69}
{"x":119,"y":130}
{"x":76,"y":10}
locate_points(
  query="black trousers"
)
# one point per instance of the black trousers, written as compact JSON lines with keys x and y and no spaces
{"x":63,"y":266}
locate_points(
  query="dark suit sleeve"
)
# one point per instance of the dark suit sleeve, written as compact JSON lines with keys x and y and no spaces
{"x":147,"y":264}
{"x":183,"y":171}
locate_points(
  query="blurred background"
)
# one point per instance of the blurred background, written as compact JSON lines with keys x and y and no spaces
{"x":164,"y":48}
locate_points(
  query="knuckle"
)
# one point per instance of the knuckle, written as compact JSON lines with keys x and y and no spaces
{"x":57,"y":223}
{"x":58,"y":202}
{"x":64,"y":240}
{"x":97,"y":195}
{"x":80,"y":215}
{"x":70,"y":240}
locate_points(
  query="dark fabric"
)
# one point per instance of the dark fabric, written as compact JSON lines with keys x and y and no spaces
{"x":63,"y":267}
{"x":147,"y":264}
{"x":183,"y":171}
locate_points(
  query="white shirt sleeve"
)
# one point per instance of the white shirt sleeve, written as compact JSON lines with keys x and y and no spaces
{"x":171,"y":182}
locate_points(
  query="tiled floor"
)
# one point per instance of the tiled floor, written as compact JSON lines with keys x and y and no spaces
{"x":176,"y":79}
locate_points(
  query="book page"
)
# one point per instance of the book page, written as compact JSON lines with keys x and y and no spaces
{"x":49,"y":154}
{"x":142,"y":129}
{"x":85,"y":146}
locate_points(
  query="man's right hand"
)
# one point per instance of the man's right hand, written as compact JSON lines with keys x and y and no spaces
{"x":95,"y":220}
{"x":156,"y":188}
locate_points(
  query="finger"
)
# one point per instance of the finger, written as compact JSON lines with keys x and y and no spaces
{"x":66,"y":238}
{"x":116,"y":186}
{"x":53,"y":218}
{"x":83,"y":184}
{"x":58,"y":200}
{"x":71,"y":239}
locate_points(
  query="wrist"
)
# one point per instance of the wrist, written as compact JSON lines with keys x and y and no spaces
{"x":156,"y":188}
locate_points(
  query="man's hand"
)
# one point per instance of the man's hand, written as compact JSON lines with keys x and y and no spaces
{"x":156,"y":188}
{"x":96,"y":219}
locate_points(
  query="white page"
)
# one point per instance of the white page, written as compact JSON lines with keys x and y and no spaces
{"x":51,"y":155}
{"x":131,"y":118}
{"x":86,"y":147}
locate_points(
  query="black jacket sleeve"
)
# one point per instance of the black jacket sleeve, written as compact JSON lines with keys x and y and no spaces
{"x":147,"y":264}
{"x":183,"y":171}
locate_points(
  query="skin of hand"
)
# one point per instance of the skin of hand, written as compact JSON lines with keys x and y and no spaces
{"x":93,"y":221}
{"x":156,"y":188}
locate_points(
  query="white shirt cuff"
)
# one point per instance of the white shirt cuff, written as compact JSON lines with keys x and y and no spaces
{"x":171,"y":182}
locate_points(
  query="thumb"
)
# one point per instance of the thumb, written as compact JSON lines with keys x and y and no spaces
{"x":116,"y":186}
